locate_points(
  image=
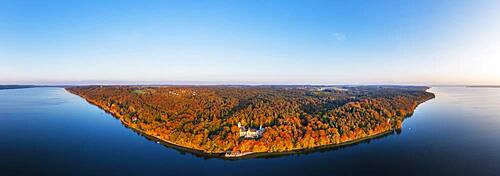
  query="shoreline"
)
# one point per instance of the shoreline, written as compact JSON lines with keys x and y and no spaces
{"x":242,"y":155}
{"x":313,"y":149}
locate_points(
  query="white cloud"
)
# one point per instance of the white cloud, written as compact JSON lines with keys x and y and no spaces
{"x":339,"y":36}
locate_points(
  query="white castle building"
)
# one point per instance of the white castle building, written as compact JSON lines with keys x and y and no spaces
{"x":250,"y":133}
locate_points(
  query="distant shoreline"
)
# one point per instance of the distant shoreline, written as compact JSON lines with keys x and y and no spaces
{"x":8,"y":87}
{"x":485,"y":86}
{"x":5,"y":87}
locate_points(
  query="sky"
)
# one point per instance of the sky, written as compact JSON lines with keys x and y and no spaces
{"x":424,"y":42}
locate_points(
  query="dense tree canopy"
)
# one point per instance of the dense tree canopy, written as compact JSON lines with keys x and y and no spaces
{"x":294,"y":117}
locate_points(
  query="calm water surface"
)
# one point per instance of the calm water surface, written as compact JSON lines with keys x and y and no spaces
{"x":48,"y":131}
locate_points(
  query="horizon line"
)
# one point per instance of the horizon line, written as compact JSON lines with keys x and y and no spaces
{"x":251,"y":84}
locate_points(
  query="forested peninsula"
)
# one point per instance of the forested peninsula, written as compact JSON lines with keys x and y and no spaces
{"x":234,"y":121}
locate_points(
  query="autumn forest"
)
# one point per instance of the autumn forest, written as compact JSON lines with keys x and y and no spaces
{"x":205,"y":118}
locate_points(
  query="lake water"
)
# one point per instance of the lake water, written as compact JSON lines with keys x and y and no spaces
{"x":48,"y":131}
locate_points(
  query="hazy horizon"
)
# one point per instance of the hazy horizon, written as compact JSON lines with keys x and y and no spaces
{"x":207,"y":83}
{"x":250,"y":42}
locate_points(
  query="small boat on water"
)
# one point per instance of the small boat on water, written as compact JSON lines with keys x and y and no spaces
{"x":230,"y":154}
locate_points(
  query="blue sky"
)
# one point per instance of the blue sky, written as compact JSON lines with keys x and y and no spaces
{"x":249,"y":42}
